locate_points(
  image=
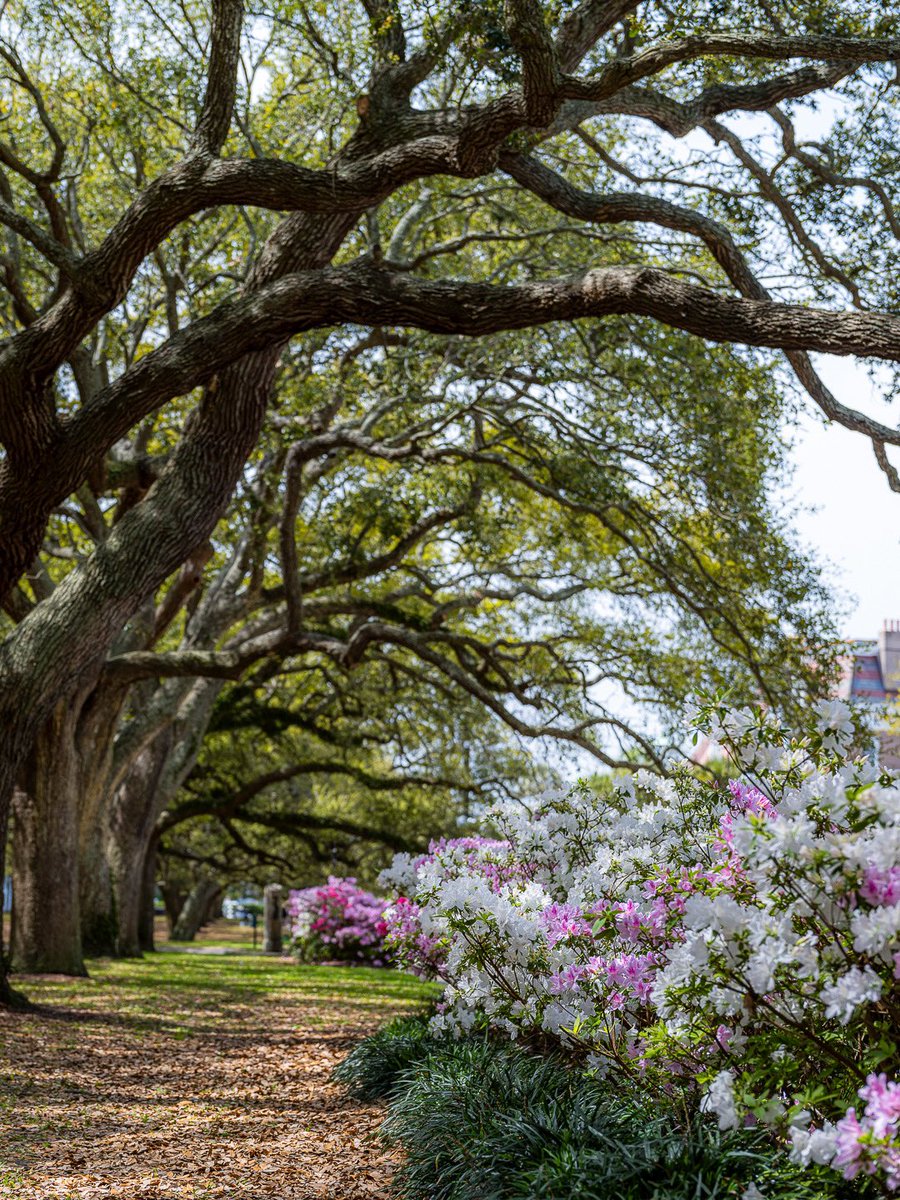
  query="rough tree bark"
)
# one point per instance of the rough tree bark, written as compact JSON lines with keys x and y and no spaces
{"x":147,"y":913}
{"x":129,"y":835}
{"x":96,"y":741}
{"x":61,"y":790}
{"x":173,"y":899}
{"x":46,"y":926}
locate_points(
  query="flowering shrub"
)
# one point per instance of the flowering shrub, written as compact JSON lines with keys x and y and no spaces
{"x":737,"y":944}
{"x":422,"y":951}
{"x":339,"y":920}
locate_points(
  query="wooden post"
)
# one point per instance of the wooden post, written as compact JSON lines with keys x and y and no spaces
{"x":272,"y":919}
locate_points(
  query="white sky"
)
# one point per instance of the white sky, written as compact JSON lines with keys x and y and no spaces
{"x":856,"y":525}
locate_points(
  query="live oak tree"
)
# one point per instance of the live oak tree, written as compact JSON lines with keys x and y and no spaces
{"x":473,"y":553}
{"x":346,"y":125}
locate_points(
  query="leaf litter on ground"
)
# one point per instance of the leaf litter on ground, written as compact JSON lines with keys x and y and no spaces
{"x":188,"y":1078}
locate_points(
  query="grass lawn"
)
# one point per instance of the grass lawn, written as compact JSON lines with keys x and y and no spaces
{"x":192,"y":1076}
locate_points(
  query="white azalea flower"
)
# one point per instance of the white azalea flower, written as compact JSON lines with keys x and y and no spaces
{"x":813,"y":1145}
{"x":719,"y":1099}
{"x":856,"y":987}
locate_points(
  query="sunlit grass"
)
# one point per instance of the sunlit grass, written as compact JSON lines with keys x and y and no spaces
{"x":188,"y":992}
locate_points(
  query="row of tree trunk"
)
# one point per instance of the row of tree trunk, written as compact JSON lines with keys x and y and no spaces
{"x":89,"y":764}
{"x":84,"y":844}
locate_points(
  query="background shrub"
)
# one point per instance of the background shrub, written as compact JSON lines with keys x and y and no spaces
{"x":339,"y":920}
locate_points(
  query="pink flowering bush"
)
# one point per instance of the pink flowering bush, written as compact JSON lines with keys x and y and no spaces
{"x":870,"y":1145}
{"x":339,"y":920}
{"x":738,"y":946}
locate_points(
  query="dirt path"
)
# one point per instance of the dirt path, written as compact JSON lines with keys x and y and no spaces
{"x":192,"y":1077}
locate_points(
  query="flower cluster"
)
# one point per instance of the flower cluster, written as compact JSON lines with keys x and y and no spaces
{"x":339,"y":920}
{"x":409,"y":931}
{"x":871,"y":1144}
{"x":740,"y":943}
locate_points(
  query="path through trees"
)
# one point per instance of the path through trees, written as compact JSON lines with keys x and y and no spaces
{"x":193,"y":1076}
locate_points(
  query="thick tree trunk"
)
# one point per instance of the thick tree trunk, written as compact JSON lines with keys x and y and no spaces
{"x":174,"y":899}
{"x":213,"y":908}
{"x":8,"y":997}
{"x":98,"y":908}
{"x":127,"y":869}
{"x":193,"y":914}
{"x":59,"y":841}
{"x":65,"y":640}
{"x":131,"y":831}
{"x":126,"y":865}
{"x":95,"y":742}
{"x":46,"y":929}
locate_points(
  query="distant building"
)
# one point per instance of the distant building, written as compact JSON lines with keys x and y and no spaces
{"x":871,"y":675}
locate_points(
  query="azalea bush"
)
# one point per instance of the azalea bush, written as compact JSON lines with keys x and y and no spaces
{"x":338,"y":920}
{"x":733,"y":946}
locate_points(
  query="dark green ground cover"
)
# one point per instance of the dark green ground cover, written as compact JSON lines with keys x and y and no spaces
{"x":481,"y":1119}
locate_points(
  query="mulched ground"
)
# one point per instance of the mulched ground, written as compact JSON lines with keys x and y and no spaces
{"x":193,"y":1078}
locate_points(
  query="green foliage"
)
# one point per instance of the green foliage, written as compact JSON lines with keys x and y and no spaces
{"x":611,"y":522}
{"x":484,"y":1120}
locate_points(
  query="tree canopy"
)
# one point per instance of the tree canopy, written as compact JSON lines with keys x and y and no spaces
{"x":521,"y":458}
